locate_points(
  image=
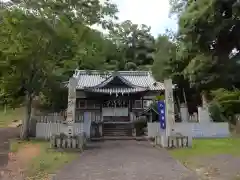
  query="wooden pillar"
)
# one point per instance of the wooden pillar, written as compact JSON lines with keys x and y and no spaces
{"x":101,"y":123}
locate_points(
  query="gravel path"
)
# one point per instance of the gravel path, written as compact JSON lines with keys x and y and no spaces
{"x":124,"y":160}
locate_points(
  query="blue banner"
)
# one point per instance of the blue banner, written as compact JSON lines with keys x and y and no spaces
{"x":161,"y":116}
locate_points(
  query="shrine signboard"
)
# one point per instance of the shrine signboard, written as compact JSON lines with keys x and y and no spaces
{"x":162,"y":117}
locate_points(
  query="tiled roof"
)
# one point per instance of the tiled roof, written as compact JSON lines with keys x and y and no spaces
{"x":117,"y":90}
{"x":89,"y":79}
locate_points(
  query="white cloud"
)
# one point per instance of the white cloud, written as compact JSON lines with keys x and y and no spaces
{"x":153,"y":13}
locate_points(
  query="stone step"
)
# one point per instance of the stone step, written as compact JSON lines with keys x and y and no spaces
{"x":117,"y":134}
{"x":116,"y":130}
{"x":117,"y":127}
{"x":119,"y":130}
{"x":118,"y":138}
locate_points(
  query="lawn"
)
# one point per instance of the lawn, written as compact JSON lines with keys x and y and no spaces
{"x":45,"y":161}
{"x":209,"y":147}
{"x":212,"y":158}
{"x":11,"y":115}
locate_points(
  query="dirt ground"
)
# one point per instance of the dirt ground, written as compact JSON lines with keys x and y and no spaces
{"x":5,"y":135}
{"x":220,"y":167}
{"x":18,"y":162}
{"x":12,"y":165}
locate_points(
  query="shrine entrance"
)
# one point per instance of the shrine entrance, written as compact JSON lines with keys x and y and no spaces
{"x":116,"y":121}
{"x":116,"y":110}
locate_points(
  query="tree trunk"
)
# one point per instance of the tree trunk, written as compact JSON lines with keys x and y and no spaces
{"x":25,"y":125}
{"x":5,"y":108}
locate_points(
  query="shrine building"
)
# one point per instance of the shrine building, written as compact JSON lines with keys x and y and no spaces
{"x":109,"y":102}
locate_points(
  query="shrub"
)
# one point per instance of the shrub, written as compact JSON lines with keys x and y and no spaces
{"x":225,"y":103}
{"x":140,"y":124}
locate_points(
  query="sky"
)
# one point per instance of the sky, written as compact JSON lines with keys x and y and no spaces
{"x":153,"y":13}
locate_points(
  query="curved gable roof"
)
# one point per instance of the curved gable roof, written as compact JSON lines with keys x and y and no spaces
{"x":134,"y":79}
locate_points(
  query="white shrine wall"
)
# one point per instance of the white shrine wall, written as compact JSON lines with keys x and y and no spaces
{"x":205,"y":128}
{"x":195,"y":130}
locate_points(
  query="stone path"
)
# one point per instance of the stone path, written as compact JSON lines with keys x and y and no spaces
{"x":125,"y":160}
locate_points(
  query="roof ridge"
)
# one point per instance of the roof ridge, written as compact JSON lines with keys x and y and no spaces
{"x":135,"y":73}
{"x":121,"y":77}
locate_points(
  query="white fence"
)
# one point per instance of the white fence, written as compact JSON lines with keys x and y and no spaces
{"x":50,"y":124}
{"x":195,"y":130}
{"x":50,"y":118}
{"x":44,"y":130}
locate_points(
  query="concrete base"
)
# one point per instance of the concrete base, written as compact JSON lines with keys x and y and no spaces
{"x":67,"y":142}
{"x":173,"y":141}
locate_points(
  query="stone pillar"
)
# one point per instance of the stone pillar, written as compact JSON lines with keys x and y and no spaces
{"x":184,"y":113}
{"x":203,"y":115}
{"x":169,"y":137}
{"x":170,"y":117}
{"x":71,"y":106}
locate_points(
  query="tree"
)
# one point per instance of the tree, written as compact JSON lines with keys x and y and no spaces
{"x":135,"y":42}
{"x":164,"y":54}
{"x":209,"y":31}
{"x":177,"y":7}
{"x":170,"y":60}
{"x":86,"y":12}
{"x":29,"y":48}
{"x":41,"y":40}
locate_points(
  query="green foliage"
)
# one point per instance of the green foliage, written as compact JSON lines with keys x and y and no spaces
{"x":210,"y":28}
{"x":27,"y":44}
{"x":53,"y":99}
{"x":200,"y":61}
{"x":177,"y":7}
{"x":165,"y":52}
{"x":216,"y":113}
{"x":87,"y":12}
{"x":34,"y":49}
{"x":225,"y":103}
{"x":135,"y":43}
{"x":44,"y":41}
{"x":139,"y":125}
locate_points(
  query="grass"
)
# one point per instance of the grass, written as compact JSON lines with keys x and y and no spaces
{"x":198,"y":158}
{"x":46,"y":162}
{"x":209,"y":147}
{"x":10,"y":115}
